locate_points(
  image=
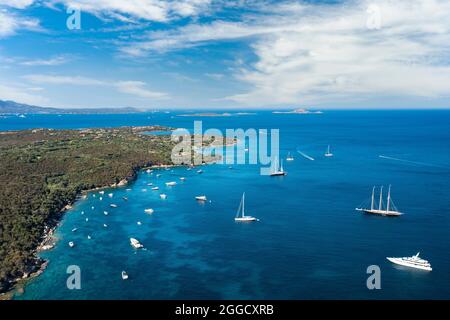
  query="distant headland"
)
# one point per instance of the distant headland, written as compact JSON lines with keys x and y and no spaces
{"x":298,"y":111}
{"x":213,"y":114}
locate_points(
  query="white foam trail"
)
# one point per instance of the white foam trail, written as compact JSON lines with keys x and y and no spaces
{"x":305,"y":155}
{"x":412,"y":162}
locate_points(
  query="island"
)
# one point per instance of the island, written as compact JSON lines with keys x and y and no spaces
{"x":298,"y":111}
{"x":45,"y":171}
{"x":213,"y":114}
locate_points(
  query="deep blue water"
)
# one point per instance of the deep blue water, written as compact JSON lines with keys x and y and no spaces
{"x":310,"y":242}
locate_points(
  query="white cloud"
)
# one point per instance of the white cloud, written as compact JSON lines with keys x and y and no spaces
{"x":151,"y":10}
{"x":18,"y":4}
{"x":63,"y":80}
{"x":318,"y":53}
{"x":10,"y":23}
{"x":215,"y":76}
{"x":54,"y":61}
{"x":134,"y":88}
{"x":20,"y":94}
{"x":137,"y":88}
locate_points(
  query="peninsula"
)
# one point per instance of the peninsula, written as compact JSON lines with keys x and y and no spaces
{"x":43,"y":173}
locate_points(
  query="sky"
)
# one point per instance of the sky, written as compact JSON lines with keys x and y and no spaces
{"x":226,"y":54}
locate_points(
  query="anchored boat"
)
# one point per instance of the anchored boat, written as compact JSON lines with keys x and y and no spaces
{"x":390,"y":211}
{"x":240,"y":216}
{"x":412,"y":262}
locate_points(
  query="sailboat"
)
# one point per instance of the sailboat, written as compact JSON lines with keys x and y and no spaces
{"x":277,"y":171}
{"x":390,"y":210}
{"x":240,"y":215}
{"x":328,"y":153}
{"x":289,"y":157}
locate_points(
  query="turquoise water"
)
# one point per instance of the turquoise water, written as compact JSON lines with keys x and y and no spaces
{"x":310,"y":242}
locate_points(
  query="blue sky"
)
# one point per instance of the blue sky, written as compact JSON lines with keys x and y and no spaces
{"x":239,"y":54}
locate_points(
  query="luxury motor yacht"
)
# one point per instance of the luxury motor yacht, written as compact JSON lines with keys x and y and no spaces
{"x":412,"y":262}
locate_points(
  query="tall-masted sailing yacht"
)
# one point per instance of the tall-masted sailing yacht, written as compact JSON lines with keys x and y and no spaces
{"x":328,"y":153}
{"x":240,"y":216}
{"x":277,"y":170}
{"x":390,"y":210}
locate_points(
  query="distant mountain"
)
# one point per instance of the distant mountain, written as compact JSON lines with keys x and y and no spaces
{"x":14,"y":108}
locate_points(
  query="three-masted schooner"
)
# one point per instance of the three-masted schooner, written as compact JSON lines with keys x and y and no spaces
{"x":390,"y":209}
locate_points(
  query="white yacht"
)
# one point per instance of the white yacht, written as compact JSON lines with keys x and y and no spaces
{"x":112,"y":205}
{"x":71,"y":244}
{"x":102,"y":192}
{"x":277,"y":170}
{"x":171,"y":184}
{"x":135,"y":243}
{"x":182,"y":178}
{"x":240,"y":215}
{"x":328,"y":153}
{"x":201,"y":198}
{"x":149,"y":211}
{"x":105,"y":213}
{"x":110,"y":195}
{"x":289,"y":157}
{"x":390,"y":211}
{"x":155,"y":188}
{"x":200,"y":171}
{"x":124,"y":275}
{"x":89,"y":237}
{"x":163,"y":196}
{"x":412,"y":262}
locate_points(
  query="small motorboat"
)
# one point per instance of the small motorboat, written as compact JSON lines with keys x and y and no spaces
{"x":201,"y":198}
{"x":74,"y":229}
{"x":105,"y":213}
{"x":163,"y":196}
{"x":171,"y":184}
{"x":112,"y":205}
{"x":155,"y":188}
{"x":124,"y":275}
{"x":149,"y":211}
{"x":135,"y":243}
{"x":71,"y":244}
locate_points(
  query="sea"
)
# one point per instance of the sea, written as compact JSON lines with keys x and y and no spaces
{"x":309,"y":242}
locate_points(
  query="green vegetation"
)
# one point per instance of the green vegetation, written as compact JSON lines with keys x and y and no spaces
{"x":43,"y":170}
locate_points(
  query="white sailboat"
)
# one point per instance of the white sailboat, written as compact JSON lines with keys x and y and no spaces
{"x":240,"y":216}
{"x":289,"y":157}
{"x":390,"y":210}
{"x":328,"y":153}
{"x":277,"y":170}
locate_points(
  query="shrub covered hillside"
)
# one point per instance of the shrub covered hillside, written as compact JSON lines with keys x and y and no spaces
{"x":43,"y":170}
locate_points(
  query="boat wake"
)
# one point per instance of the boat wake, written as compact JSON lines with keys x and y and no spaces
{"x":305,"y":155}
{"x":413,"y":162}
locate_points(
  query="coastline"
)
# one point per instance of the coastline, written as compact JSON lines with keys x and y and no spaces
{"x":49,"y":239}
